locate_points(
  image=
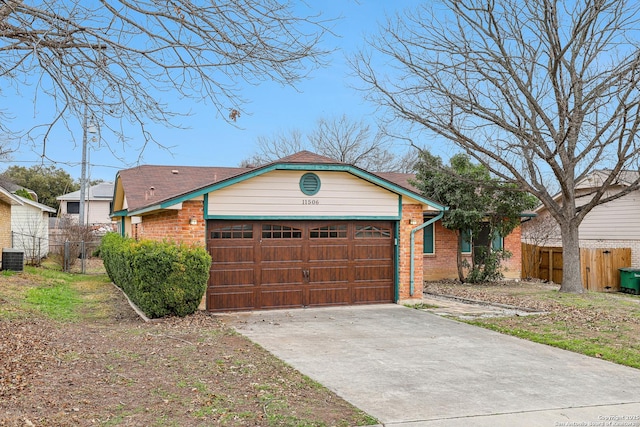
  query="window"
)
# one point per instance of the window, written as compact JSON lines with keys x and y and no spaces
{"x":466,"y":242}
{"x":481,"y":240}
{"x":270,"y":231}
{"x":73,"y":207}
{"x":371,"y":232}
{"x":240,"y":231}
{"x":429,"y":240}
{"x":497,"y":243}
{"x":329,"y":232}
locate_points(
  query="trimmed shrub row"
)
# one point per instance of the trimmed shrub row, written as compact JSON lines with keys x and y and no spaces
{"x":162,"y":279}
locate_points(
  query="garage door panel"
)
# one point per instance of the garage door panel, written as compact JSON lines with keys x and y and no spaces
{"x":281,"y":276}
{"x":337,"y":252}
{"x":281,"y":298}
{"x":328,"y":274}
{"x":329,"y":295}
{"x":371,"y":252}
{"x":232,"y":300}
{"x":237,"y":254}
{"x":372,"y":294}
{"x":287,"y":253}
{"x":373,"y":272}
{"x":232,"y":277}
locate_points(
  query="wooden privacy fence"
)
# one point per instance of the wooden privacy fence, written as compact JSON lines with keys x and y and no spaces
{"x":599,"y":267}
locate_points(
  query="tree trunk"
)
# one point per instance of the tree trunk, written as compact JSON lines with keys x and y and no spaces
{"x":571,"y":275}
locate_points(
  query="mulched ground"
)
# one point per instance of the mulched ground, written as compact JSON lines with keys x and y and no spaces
{"x":180,"y":372}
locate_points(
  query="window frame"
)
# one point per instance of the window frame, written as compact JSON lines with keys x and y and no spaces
{"x":465,"y":242}
{"x":433,"y":239}
{"x":76,"y":205}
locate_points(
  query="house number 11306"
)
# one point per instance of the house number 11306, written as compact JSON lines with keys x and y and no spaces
{"x":310,"y":202}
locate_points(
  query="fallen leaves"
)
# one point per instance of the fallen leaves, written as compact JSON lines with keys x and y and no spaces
{"x":24,"y":351}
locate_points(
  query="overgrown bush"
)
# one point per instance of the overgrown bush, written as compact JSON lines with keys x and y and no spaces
{"x":68,"y":230}
{"x":488,"y":265}
{"x":162,"y":279}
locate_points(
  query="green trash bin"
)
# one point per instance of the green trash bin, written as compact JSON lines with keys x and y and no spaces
{"x":630,"y":280}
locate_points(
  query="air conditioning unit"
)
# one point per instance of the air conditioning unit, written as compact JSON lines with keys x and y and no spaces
{"x":12,"y":259}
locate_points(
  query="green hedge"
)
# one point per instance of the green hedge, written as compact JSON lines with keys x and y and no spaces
{"x":162,"y":279}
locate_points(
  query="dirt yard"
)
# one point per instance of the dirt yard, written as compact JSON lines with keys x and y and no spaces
{"x":108,"y":368}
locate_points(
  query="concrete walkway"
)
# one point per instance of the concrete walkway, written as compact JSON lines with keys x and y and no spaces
{"x":411,"y":368}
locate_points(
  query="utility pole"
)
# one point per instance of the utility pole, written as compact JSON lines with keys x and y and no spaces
{"x":86,"y":128}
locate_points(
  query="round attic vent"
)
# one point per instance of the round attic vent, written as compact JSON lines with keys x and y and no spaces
{"x":310,"y":184}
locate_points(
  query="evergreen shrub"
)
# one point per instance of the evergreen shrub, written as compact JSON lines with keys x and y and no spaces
{"x":161,"y":278}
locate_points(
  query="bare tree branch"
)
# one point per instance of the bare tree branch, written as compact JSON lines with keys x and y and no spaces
{"x":118,"y":58}
{"x":542,"y":92}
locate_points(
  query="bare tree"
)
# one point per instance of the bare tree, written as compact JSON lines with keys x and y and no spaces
{"x":542,"y":92}
{"x":350,"y":142}
{"x":112,"y":61}
{"x":277,"y":146}
{"x":340,"y":138}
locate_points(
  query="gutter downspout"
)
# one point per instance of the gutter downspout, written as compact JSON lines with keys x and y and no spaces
{"x":413,"y":239}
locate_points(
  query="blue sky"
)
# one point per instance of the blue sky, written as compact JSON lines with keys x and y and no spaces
{"x":210,"y":140}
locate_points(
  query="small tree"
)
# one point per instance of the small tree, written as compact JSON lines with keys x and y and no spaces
{"x":477,"y":204}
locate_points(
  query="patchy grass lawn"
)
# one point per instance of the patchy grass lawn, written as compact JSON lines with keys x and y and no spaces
{"x":73,"y":353}
{"x":603,"y":325}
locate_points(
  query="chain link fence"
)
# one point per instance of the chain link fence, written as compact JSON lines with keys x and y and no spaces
{"x":77,"y":257}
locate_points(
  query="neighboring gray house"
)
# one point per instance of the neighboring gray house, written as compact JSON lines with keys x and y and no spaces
{"x":98,"y":200}
{"x":612,"y":225}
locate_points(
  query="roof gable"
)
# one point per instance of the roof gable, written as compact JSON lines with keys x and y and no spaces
{"x":147,"y":188}
{"x":307,"y":157}
{"x":102,"y":190}
{"x":39,"y":206}
{"x":8,"y":198}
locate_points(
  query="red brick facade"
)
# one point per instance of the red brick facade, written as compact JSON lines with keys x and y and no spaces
{"x":410,"y":214}
{"x":442,"y":264}
{"x":175,"y":225}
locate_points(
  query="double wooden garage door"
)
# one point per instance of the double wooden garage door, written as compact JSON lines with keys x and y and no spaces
{"x":284,"y":264}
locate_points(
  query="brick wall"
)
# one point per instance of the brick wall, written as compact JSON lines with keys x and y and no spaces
{"x":5,"y":225}
{"x":174,"y":225}
{"x":513,"y":266}
{"x":410,"y":213}
{"x":442,"y":264}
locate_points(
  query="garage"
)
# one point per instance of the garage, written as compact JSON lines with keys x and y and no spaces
{"x":289,"y":264}
{"x":304,"y":231}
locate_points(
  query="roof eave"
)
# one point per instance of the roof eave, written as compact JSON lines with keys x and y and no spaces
{"x":334,"y":167}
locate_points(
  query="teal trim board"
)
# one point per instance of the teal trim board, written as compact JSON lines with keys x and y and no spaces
{"x":302,"y":218}
{"x":380,"y":182}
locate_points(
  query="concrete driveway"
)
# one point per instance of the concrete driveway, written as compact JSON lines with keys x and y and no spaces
{"x":411,"y":368}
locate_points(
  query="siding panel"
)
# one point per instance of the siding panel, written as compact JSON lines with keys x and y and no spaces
{"x":278,"y":194}
{"x":618,"y":219}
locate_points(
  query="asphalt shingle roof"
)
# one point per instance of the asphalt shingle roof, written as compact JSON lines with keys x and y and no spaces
{"x":149,"y":185}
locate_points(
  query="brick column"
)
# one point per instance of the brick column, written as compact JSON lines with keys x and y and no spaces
{"x":5,"y":225}
{"x":410,"y":213}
